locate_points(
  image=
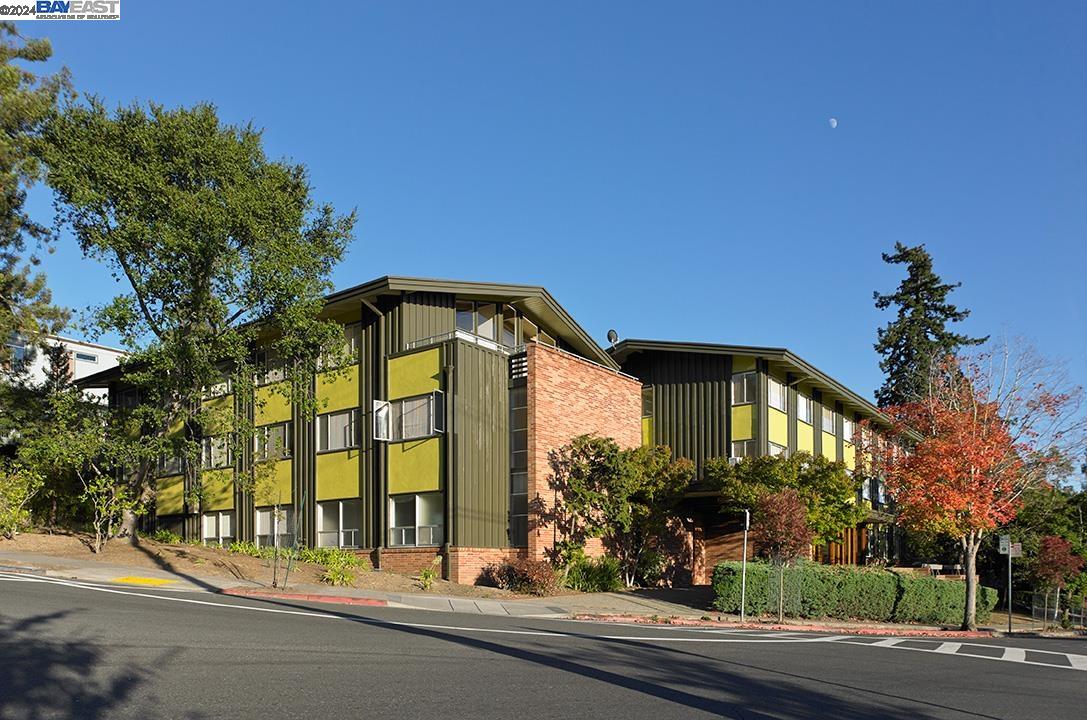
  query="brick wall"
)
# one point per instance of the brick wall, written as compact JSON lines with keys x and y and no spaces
{"x":569,"y":396}
{"x":407,"y":560}
{"x":465,"y":564}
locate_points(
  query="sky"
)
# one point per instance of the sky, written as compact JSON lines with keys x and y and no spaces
{"x":668,"y":170}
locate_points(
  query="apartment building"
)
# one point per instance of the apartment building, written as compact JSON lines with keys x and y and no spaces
{"x":433,"y":441}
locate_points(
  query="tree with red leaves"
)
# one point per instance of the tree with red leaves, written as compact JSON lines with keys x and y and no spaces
{"x":1054,"y":564}
{"x":986,"y":429}
{"x":780,"y":531}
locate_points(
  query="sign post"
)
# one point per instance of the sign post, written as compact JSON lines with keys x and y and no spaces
{"x":1007,"y":547}
{"x":743,"y":567}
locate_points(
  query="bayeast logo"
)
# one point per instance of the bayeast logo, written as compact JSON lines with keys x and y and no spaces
{"x":78,"y":9}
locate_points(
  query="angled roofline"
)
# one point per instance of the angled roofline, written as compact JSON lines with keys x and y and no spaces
{"x":393,"y":284}
{"x":624,"y":348}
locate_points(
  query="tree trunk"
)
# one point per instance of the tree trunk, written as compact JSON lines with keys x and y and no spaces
{"x":969,"y":615}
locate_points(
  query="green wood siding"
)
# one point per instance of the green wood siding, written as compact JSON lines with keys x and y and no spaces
{"x":481,"y":483}
{"x":690,"y":401}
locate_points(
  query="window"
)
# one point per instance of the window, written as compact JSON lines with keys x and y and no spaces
{"x":774,"y":449}
{"x":546,"y":339}
{"x":847,"y":429}
{"x":486,"y":323}
{"x":518,"y":525}
{"x":803,"y":408}
{"x":410,"y":418}
{"x":217,"y":528}
{"x":223,"y":387}
{"x":866,"y":489}
{"x":647,"y":401}
{"x":86,"y":357}
{"x":272,"y":442}
{"x":777,"y":395}
{"x":743,"y":448}
{"x":466,"y":316}
{"x":509,"y":326}
{"x":272,"y":523}
{"x":216,"y":452}
{"x":338,"y":430}
{"x":743,"y":388}
{"x":348,"y":353}
{"x":338,"y":523}
{"x":528,"y":330}
{"x":270,"y":368}
{"x":128,"y":398}
{"x":171,"y":465}
{"x":828,"y":420}
{"x":416,"y":520}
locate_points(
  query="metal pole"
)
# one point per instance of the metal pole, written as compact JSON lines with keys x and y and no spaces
{"x":1009,"y":590}
{"x":743,"y":568}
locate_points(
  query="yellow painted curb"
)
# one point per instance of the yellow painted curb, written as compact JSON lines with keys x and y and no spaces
{"x":134,"y":580}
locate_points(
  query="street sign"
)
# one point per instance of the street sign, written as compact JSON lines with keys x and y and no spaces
{"x":1016,"y":550}
{"x":1005,"y":542}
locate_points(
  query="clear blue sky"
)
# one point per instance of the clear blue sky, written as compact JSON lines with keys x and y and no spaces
{"x":665,"y":169}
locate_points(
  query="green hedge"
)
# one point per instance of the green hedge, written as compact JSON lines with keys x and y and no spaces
{"x":844,"y":592}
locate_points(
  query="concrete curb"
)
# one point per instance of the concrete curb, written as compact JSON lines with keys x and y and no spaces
{"x":22,"y":570}
{"x":307,"y":597}
{"x":776,"y":627}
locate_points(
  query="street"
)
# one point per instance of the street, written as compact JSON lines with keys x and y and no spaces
{"x":79,"y":650}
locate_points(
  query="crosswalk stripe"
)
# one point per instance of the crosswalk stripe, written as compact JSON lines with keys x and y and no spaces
{"x":1014,"y":654}
{"x":948,"y":648}
{"x":1079,"y":662}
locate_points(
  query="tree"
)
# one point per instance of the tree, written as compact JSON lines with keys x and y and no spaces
{"x":827,"y":489}
{"x":1053,"y":566}
{"x":84,"y":440}
{"x":919,"y":333}
{"x":26,"y":307}
{"x":987,"y":430}
{"x":625,"y":497}
{"x":220,"y":249}
{"x":18,"y":486}
{"x":780,"y":531}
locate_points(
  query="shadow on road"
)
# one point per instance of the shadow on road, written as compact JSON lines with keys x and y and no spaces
{"x":47,"y":677}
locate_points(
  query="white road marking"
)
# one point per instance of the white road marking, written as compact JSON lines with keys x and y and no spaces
{"x":948,"y":648}
{"x":1016,"y":655}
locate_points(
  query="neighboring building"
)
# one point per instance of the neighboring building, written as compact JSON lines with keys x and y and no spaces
{"x":706,"y":400}
{"x":84,"y":359}
{"x":434,"y":441}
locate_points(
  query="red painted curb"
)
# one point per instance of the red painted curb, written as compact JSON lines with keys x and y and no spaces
{"x":868,"y":630}
{"x":330,"y":599}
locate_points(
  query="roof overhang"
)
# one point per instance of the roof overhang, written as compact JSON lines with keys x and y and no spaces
{"x":534,"y":300}
{"x":780,"y":358}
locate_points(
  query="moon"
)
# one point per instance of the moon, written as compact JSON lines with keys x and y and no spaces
{"x":833,"y":123}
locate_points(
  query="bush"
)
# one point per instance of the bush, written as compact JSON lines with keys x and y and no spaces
{"x":168,"y":537}
{"x":535,"y":577}
{"x":603,"y":574}
{"x":244,"y":547}
{"x":334,"y":557}
{"x":843,"y":592}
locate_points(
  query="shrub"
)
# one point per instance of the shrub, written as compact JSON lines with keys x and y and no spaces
{"x":429,"y":574}
{"x":334,"y":556}
{"x":535,"y":577}
{"x":603,"y":574}
{"x":244,"y":547}
{"x":168,"y":537}
{"x":652,"y":567}
{"x":843,"y":592}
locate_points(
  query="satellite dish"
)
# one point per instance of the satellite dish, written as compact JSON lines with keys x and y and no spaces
{"x":613,"y":337}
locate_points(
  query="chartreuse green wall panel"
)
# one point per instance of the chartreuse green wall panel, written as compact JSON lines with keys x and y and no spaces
{"x":850,"y":455}
{"x":415,"y":374}
{"x":778,"y":425}
{"x":170,"y":495}
{"x":338,"y":475}
{"x":273,"y":488}
{"x":415,"y":466}
{"x":218,"y":490}
{"x":219,"y":413}
{"x":647,"y":431}
{"x":830,"y":449}
{"x":338,"y":390}
{"x":805,"y":437}
{"x":271,"y":405}
{"x":743,"y":422}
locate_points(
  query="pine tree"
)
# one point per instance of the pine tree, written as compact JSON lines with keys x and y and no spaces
{"x":919,"y":333}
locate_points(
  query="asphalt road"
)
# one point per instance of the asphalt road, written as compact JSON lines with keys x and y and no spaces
{"x":92,"y":651}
